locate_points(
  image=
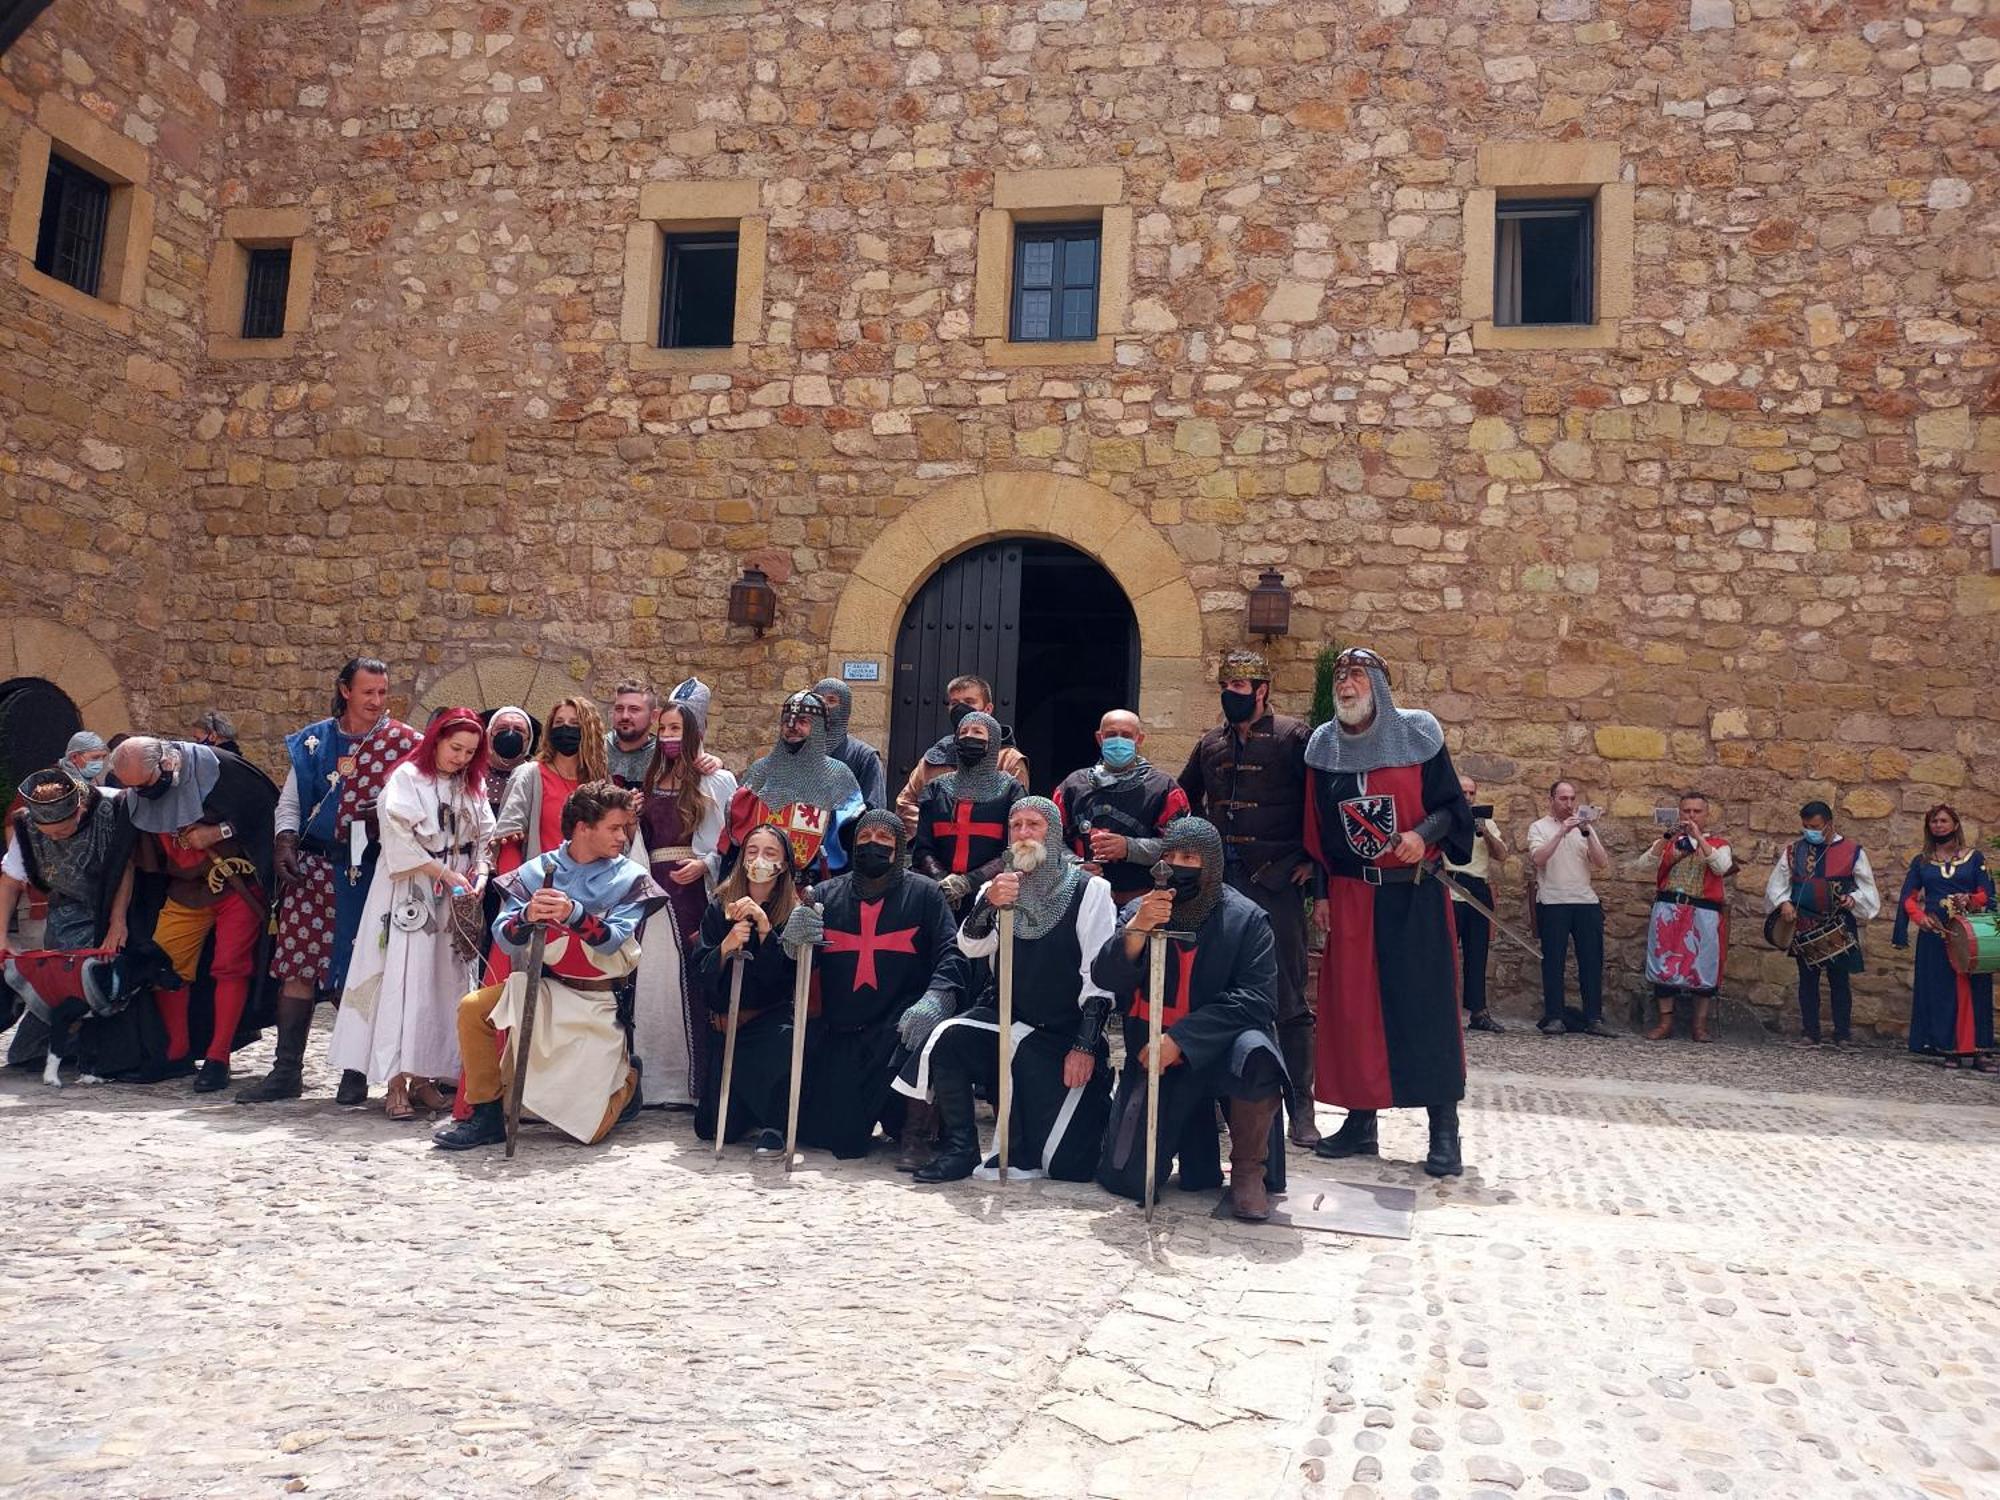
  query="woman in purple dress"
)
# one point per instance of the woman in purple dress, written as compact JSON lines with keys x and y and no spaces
{"x":680,"y":823}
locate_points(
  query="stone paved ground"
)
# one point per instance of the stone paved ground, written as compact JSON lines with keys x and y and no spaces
{"x":1673,"y":1271}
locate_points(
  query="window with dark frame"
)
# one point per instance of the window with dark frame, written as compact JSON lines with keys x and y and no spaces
{"x":264,"y":294}
{"x":698,"y":292}
{"x":1055,"y":282}
{"x":76,"y":206}
{"x":1544,"y":262}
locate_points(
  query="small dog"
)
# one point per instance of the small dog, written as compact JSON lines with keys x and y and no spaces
{"x":63,"y":989}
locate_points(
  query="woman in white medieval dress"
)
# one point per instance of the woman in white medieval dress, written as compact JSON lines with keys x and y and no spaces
{"x":399,"y":1010}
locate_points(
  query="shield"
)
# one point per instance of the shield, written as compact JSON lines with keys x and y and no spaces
{"x":804,"y":827}
{"x":1370,"y":825}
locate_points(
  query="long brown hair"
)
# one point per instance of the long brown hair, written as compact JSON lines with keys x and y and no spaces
{"x":681,"y":777}
{"x":784,"y":890}
{"x":1931,"y":842}
{"x":592,"y":764}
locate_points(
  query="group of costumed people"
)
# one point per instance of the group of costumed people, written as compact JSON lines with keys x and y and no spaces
{"x":408,"y":876}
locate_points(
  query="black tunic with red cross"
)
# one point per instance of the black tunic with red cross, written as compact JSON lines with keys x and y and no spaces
{"x":1388,"y":1034}
{"x":957,"y":836}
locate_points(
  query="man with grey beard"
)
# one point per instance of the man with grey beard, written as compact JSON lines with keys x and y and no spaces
{"x":1383,"y":802}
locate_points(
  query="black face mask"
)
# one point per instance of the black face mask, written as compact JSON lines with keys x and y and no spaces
{"x":958,"y":711}
{"x":971,"y":752}
{"x":873,"y":860}
{"x":160,"y":787}
{"x":1186,"y":881}
{"x":1237,"y":708}
{"x":566,"y":738}
{"x":509,"y":744}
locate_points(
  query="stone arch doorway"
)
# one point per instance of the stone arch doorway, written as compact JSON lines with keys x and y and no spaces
{"x":1046,"y":624}
{"x":1174,"y":693}
{"x":53,"y":681}
{"x":495,"y":682}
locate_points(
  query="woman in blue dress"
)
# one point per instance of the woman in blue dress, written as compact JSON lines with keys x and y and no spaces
{"x":1951,"y":1014}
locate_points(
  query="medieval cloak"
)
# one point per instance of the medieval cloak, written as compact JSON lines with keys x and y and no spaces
{"x":1950,"y":1012}
{"x":1053,"y":1130}
{"x":1388,"y":1034}
{"x":669,"y":1030}
{"x":882,"y":954}
{"x":1221,"y":1010}
{"x":760,"y":1087}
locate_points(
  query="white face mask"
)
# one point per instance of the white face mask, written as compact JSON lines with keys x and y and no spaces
{"x":761,"y":869}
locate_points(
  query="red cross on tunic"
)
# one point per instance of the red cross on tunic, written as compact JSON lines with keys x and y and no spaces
{"x":868,"y":942}
{"x":962,"y":831}
{"x":1177,"y":1005}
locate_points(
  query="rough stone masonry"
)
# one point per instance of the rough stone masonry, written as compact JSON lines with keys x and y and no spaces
{"x":1738,"y":536}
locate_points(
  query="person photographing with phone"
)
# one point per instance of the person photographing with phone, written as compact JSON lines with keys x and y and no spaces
{"x":1566,"y":854}
{"x":1687,"y":936}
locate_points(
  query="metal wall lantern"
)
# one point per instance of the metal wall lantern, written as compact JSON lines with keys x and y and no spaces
{"x":752,"y":601}
{"x":1270,"y":605}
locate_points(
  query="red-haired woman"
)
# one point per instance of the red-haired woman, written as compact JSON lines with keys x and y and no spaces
{"x":399,"y":1011}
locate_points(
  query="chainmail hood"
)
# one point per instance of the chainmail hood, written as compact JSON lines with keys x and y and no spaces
{"x":1394,"y":737}
{"x":839,"y":703}
{"x":880,"y":817}
{"x":1199,"y":835}
{"x":1048,"y":889}
{"x":983,"y":782}
{"x":802,"y":773}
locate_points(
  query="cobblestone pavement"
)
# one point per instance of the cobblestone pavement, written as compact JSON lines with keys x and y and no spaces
{"x":1671,"y":1271}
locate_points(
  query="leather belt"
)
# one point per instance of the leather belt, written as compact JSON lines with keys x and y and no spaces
{"x":586,"y":986}
{"x":719,"y":1020}
{"x":1387,"y":875}
{"x":1681,"y":898}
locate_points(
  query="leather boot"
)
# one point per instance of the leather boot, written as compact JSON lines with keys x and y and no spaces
{"x":286,"y":1079}
{"x":1356,"y":1137}
{"x":919,"y":1141}
{"x":485,"y":1126}
{"x":353,"y":1087}
{"x":1666,"y":1027}
{"x":1701,"y":1005}
{"x":1295,"y":1040}
{"x":958,"y":1150}
{"x":1249,"y":1147}
{"x":1443,"y":1160}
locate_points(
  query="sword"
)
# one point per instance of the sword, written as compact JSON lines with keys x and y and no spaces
{"x":729,"y":1053}
{"x":1156,"y":1003}
{"x":801,"y":995}
{"x":1487,"y":912}
{"x":524,"y":1033}
{"x":1004,"y":1107}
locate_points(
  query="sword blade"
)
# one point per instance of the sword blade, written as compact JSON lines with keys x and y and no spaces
{"x":1156,"y":1001}
{"x":524,"y":1033}
{"x":728,"y":1054}
{"x":1004,"y":1107}
{"x":801,"y":998}
{"x":1487,"y":912}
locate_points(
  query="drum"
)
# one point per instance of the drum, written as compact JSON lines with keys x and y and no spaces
{"x":1816,"y":947}
{"x":1973,"y":941}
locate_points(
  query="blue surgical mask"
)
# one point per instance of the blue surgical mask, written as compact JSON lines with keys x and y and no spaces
{"x":1815,"y":835}
{"x":1118,"y":752}
{"x":90,"y":770}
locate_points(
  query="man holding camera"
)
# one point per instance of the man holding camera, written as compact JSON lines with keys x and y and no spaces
{"x":1688,"y":932}
{"x":1566,"y":852}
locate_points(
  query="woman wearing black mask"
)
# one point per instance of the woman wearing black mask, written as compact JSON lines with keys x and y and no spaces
{"x":572,"y":752}
{"x":962,"y":816}
{"x":511,"y":737}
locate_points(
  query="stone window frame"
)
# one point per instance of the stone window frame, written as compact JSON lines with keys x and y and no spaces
{"x":1549,"y":169}
{"x":693,"y":206}
{"x":65,"y":129}
{"x":1053,"y":196}
{"x":244,"y":229}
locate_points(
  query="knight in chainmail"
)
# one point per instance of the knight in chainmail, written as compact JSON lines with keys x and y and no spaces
{"x":886,"y":970}
{"x":1218,"y":1018}
{"x":74,"y":845}
{"x":962,"y":816}
{"x":1382,"y":803}
{"x":860,"y":757}
{"x":1061,"y":1065}
{"x":800,"y":790}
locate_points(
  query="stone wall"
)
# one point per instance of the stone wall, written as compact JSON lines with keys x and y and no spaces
{"x":95,"y":530}
{"x":1743,"y":544}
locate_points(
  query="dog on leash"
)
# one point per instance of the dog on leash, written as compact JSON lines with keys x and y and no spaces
{"x":62,"y":989}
